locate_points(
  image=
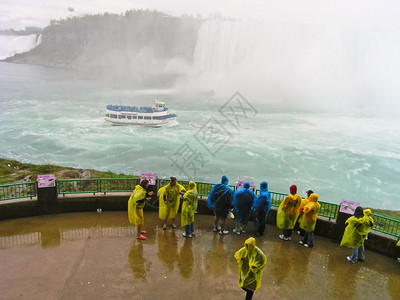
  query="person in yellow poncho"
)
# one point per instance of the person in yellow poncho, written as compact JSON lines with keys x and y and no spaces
{"x":169,"y":201}
{"x":309,"y":219}
{"x":251,"y":262}
{"x":359,"y":225}
{"x":287,"y":214}
{"x":398,"y":245}
{"x":304,"y":202}
{"x":189,"y":207}
{"x":135,"y":207}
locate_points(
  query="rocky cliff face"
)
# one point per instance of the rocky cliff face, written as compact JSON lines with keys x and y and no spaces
{"x":141,"y":47}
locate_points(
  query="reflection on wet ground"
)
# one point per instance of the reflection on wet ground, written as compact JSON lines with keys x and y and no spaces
{"x":97,"y":256}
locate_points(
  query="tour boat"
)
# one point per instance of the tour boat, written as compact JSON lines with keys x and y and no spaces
{"x":154,"y":116}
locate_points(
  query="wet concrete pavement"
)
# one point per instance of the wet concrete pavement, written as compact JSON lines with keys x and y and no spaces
{"x":97,"y":256}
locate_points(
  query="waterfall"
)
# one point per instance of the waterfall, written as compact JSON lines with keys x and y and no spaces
{"x":299,"y":61}
{"x":13,"y":44}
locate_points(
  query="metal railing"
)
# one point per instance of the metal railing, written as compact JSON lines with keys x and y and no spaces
{"x":18,"y":190}
{"x":328,"y":210}
{"x":117,"y":184}
{"x":386,"y":225}
{"x":112,"y":185}
{"x":77,"y":186}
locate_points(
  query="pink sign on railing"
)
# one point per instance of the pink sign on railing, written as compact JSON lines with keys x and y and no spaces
{"x":151,"y":177}
{"x":44,"y":181}
{"x":240,"y":183}
{"x":348,"y":207}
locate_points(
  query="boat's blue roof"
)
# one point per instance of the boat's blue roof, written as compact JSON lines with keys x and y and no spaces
{"x":140,"y":109}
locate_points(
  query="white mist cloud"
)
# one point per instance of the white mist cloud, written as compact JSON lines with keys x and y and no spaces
{"x":314,"y":53}
{"x":356,"y":13}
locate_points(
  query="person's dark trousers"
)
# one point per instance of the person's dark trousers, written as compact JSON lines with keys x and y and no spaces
{"x":249,"y":294}
{"x":261,"y":221}
{"x":287,"y":232}
{"x":189,"y":229}
{"x":309,"y":238}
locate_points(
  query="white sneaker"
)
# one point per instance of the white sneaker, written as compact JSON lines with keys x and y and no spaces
{"x":223,"y":232}
{"x":282,"y":237}
{"x":349,"y":259}
{"x":301,"y":243}
{"x":186,"y":235}
{"x":216,"y":229}
{"x":242,"y":230}
{"x":306,"y":245}
{"x":237,"y":231}
{"x":398,"y":259}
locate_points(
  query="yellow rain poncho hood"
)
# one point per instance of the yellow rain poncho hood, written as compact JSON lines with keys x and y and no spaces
{"x":251,"y":262}
{"x":288,"y":211}
{"x":170,"y":194}
{"x":189,"y":206}
{"x":310,"y":213}
{"x":357,"y":230}
{"x":135,"y":209}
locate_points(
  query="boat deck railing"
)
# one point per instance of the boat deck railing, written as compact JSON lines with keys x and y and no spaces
{"x":113,"y":185}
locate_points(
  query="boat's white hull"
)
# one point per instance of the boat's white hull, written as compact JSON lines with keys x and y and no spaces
{"x":149,"y":123}
{"x":155,"y":116}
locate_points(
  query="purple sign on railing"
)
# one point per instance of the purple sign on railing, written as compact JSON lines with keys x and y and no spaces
{"x":348,"y":207}
{"x":151,"y":177}
{"x":240,"y":183}
{"x":44,"y":181}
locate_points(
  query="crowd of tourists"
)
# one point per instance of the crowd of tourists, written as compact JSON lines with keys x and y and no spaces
{"x":244,"y":204}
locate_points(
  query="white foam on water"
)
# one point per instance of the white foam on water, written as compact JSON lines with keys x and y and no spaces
{"x":339,"y":157}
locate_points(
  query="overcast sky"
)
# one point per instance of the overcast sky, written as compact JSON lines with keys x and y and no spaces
{"x":371,"y":14}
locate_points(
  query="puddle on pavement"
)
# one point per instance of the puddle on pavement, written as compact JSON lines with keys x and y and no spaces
{"x":97,"y":255}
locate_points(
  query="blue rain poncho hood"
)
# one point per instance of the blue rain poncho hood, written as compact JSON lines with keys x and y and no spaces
{"x":224,"y":180}
{"x":220,"y":198}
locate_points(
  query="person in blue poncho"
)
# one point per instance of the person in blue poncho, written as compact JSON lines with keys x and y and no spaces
{"x":242,"y":203}
{"x":220,"y":201}
{"x":261,"y":208}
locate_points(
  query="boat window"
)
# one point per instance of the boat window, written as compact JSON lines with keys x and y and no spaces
{"x":114,"y":116}
{"x":134,"y":117}
{"x":121,"y":117}
{"x":155,"y":118}
{"x":147,"y":118}
{"x":140,"y":117}
{"x":129,"y":117}
{"x":107,"y":115}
